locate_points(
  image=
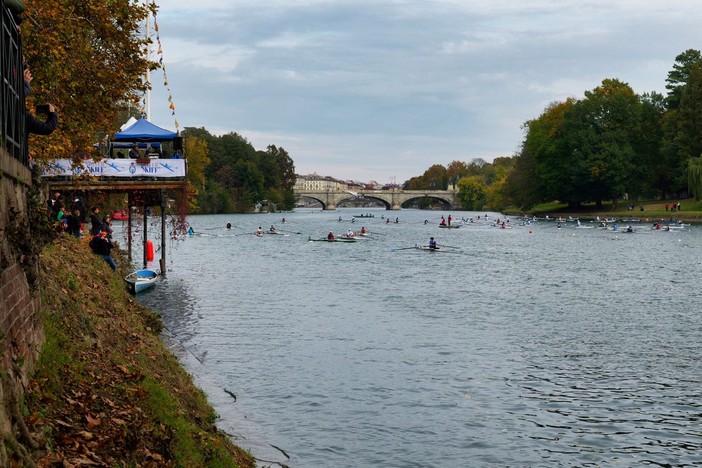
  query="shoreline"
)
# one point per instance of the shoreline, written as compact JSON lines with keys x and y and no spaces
{"x":231,"y":418}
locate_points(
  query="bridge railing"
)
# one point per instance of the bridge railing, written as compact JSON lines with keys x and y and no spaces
{"x":12,"y":116}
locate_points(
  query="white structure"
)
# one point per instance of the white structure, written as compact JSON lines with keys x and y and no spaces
{"x":314,"y":182}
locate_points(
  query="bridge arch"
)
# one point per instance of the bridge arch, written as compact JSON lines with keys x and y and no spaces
{"x":391,"y":199}
{"x":446,"y":204}
{"x":385,"y":203}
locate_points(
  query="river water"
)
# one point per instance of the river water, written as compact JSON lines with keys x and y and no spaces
{"x":529,"y":346}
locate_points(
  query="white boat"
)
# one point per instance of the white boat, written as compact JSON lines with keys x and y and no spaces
{"x":140,"y":280}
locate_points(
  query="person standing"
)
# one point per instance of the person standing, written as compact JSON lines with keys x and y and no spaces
{"x":95,"y":221}
{"x":73,"y":223}
{"x":106,"y":225}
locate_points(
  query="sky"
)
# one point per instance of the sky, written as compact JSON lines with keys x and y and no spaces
{"x":383,"y":89}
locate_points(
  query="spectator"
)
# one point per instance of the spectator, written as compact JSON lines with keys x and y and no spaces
{"x":106,"y":226}
{"x":102,"y":246}
{"x":33,"y":124}
{"x":53,"y":204}
{"x":80,"y":206}
{"x":73,"y":223}
{"x":95,"y":221}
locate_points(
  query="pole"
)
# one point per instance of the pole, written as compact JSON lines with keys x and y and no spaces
{"x":147,"y":75}
{"x":146,"y":237}
{"x":163,"y":232}
{"x":129,"y":225}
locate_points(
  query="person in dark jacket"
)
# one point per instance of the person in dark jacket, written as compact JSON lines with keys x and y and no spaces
{"x":102,"y":246}
{"x":37,"y":127}
{"x":95,"y":221}
{"x":73,"y":223}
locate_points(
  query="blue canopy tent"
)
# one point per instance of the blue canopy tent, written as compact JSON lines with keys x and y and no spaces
{"x":144,"y":131}
{"x":144,"y":134}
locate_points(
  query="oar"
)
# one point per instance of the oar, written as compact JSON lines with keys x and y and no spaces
{"x":291,"y":232}
{"x":395,"y":249}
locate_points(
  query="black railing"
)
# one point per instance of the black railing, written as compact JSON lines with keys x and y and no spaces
{"x":12,"y":119}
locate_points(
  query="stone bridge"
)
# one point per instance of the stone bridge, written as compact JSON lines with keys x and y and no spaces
{"x":392,"y":199}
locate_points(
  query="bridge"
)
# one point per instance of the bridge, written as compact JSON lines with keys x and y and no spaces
{"x":392,"y":199}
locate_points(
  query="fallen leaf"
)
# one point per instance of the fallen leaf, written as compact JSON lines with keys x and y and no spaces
{"x":93,"y":422}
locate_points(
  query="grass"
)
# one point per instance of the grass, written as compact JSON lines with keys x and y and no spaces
{"x":106,"y":390}
{"x":690,"y":210}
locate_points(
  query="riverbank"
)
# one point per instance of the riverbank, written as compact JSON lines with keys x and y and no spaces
{"x":106,"y":390}
{"x":690,"y":211}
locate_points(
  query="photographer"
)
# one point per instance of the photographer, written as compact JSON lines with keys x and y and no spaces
{"x":33,"y":124}
{"x":36,"y":126}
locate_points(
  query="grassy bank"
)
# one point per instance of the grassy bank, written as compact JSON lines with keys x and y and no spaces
{"x":106,"y":391}
{"x":690,"y":210}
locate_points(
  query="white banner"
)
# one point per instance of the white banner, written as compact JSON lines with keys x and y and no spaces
{"x":161,"y":168}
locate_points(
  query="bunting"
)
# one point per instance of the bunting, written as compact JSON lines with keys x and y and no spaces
{"x":159,"y":52}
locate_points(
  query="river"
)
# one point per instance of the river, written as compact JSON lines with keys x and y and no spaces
{"x":528,"y":346}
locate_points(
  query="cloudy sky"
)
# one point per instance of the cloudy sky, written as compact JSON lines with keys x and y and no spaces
{"x":383,"y":89}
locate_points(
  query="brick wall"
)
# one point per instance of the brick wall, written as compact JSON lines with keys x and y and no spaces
{"x":21,"y":329}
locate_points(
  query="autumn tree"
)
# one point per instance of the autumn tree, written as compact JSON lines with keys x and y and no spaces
{"x":87,"y":58}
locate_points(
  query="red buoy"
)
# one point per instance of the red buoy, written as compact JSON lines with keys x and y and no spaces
{"x":149,"y":251}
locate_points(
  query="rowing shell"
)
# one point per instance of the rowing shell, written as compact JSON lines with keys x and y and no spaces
{"x":338,"y":239}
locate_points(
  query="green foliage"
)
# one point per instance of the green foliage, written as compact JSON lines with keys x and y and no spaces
{"x":238,"y":177}
{"x":609,"y":144}
{"x":472,"y":192}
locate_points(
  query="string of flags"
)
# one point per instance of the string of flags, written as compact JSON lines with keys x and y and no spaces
{"x":162,"y":65}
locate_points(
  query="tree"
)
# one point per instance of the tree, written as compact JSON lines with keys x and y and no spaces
{"x":286,"y":167}
{"x":87,"y":57}
{"x":471,"y":192}
{"x":197,"y":154}
{"x":679,"y":76}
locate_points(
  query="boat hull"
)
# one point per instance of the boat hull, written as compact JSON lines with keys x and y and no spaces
{"x":140,"y":280}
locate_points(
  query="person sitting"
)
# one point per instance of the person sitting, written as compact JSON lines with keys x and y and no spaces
{"x":134,"y":152}
{"x":349,"y":233}
{"x":443,"y":222}
{"x":102,"y":246}
{"x":363,"y":230}
{"x":330,"y":236}
{"x":259,"y":231}
{"x":432,"y":244}
{"x":271,"y":229}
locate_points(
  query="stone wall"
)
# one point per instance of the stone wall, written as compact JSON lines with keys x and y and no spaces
{"x":21,"y":328}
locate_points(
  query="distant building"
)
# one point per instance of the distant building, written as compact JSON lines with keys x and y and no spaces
{"x":315,"y":182}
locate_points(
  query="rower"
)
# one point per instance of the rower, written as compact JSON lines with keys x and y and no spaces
{"x":330,"y":236}
{"x":363,"y":229}
{"x":349,"y":233}
{"x":259,"y":231}
{"x":229,"y":225}
{"x":432,"y":244}
{"x":271,"y":229}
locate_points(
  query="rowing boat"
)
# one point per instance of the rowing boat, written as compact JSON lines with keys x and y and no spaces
{"x":140,"y":280}
{"x":426,"y":248}
{"x":337,"y":239}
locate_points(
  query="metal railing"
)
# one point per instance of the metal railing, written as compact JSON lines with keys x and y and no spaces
{"x":12,"y":119}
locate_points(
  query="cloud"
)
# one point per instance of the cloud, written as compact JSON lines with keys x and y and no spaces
{"x":395,"y":86}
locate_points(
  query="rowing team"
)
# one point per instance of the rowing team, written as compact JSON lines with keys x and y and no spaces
{"x":352,"y":234}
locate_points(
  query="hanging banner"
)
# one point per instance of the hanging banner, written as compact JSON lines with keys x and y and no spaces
{"x":159,"y":168}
